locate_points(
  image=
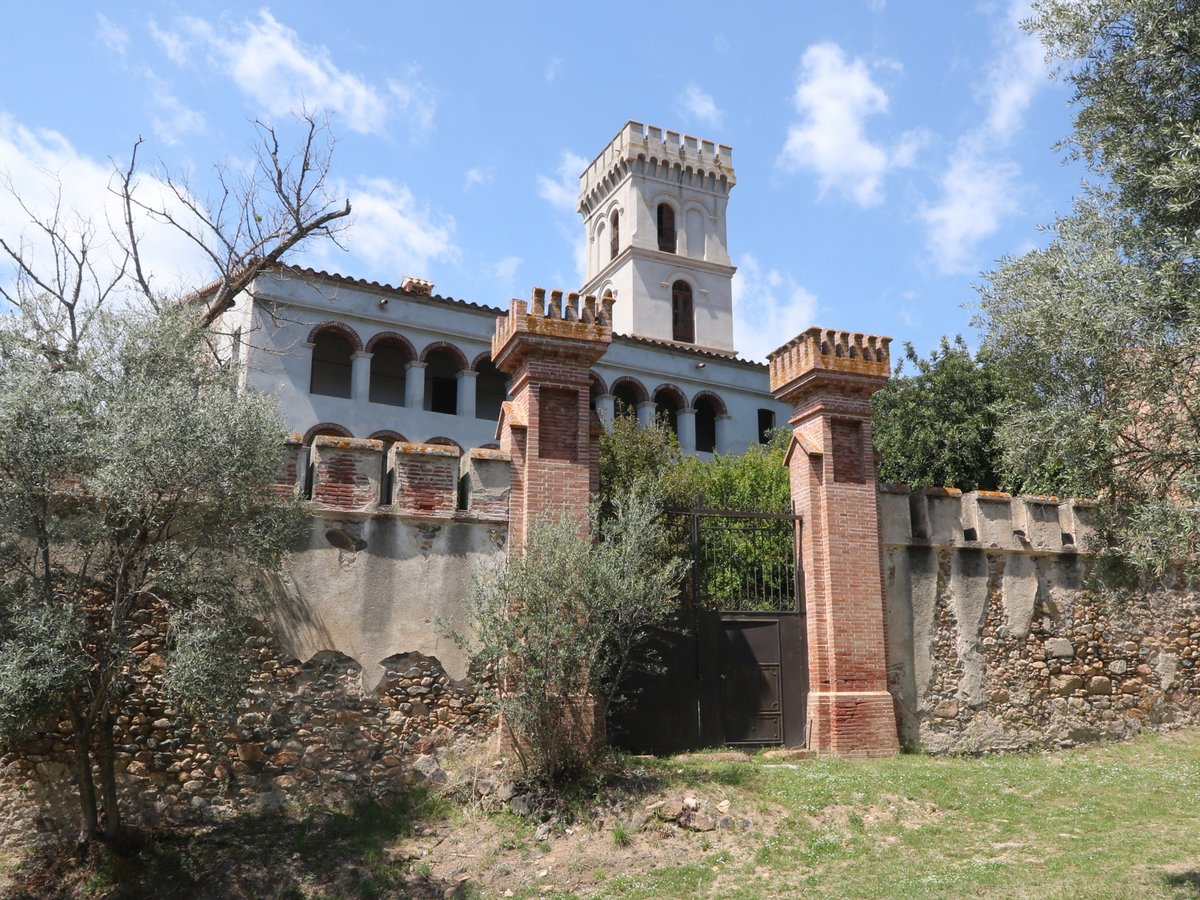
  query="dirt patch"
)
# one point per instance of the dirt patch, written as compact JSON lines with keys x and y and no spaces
{"x":888,"y":810}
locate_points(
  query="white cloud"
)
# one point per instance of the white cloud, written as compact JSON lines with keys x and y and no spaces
{"x":174,"y":120}
{"x":876,"y":5}
{"x":504,"y":274}
{"x":476,"y":176}
{"x":700,"y":106}
{"x":553,"y":67}
{"x":170,"y":42}
{"x":48,"y":172}
{"x":769,"y":307}
{"x":1016,"y":75}
{"x":835,"y":97}
{"x":111,"y":35}
{"x":977,"y":192}
{"x":392,"y":232}
{"x":562,"y":191}
{"x":269,"y":62}
{"x":415,"y":98}
{"x":980,"y":185}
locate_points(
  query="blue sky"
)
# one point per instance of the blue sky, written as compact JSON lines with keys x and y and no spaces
{"x":887,"y":153}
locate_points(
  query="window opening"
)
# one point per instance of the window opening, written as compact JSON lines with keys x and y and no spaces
{"x":706,"y":426}
{"x":683,"y":319}
{"x":766,"y":424}
{"x":615,"y":240}
{"x":441,"y":383}
{"x":388,"y":374}
{"x":666,"y":228}
{"x":331,"y":365}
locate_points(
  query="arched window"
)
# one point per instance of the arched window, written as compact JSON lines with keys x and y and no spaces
{"x":683,"y":319}
{"x":667,"y":404}
{"x":615,"y":239}
{"x":441,"y":382}
{"x":666,"y":228}
{"x":388,"y":373}
{"x":491,"y":388}
{"x":627,"y":394}
{"x":331,"y":365}
{"x":706,"y":425}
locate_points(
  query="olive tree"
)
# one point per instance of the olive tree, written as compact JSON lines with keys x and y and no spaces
{"x":134,"y":474}
{"x":135,"y":477}
{"x":562,"y":622}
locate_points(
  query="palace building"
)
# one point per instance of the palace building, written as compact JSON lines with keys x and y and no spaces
{"x":356,"y":358}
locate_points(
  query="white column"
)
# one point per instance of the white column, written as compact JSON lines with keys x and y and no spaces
{"x":360,"y":375}
{"x":466,"y":393}
{"x":606,"y":409}
{"x":724,"y":424}
{"x":414,"y":385}
{"x":645,"y":414}
{"x":685,"y":420}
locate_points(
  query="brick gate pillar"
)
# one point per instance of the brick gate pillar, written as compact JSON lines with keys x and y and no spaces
{"x":546,"y":428}
{"x":828,"y":378}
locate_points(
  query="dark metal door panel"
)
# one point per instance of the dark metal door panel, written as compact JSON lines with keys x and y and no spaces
{"x":751,"y":692}
{"x":662,"y":713}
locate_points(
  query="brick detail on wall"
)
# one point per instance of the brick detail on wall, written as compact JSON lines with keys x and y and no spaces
{"x":828,"y":377}
{"x":346,"y":472}
{"x":848,"y":456}
{"x":558,"y":428}
{"x":548,"y":347}
{"x":424,"y":479}
{"x":287,"y":477}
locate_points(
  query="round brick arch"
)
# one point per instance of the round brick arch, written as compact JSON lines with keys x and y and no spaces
{"x":636,"y":386}
{"x":389,"y":437}
{"x":717,"y":403}
{"x":340,"y":328}
{"x":391,"y":337}
{"x":674,"y":392}
{"x":446,"y":347}
{"x":332,"y":429}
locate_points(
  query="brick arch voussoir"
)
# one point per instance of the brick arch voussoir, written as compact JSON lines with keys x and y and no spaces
{"x":459,"y":357}
{"x":440,"y":441}
{"x":715,"y":399}
{"x":388,"y":437}
{"x":330,"y":428}
{"x":484,"y":357}
{"x":339,"y":328}
{"x":598,"y":384}
{"x":392,"y":337}
{"x":667,"y":388}
{"x":638,"y":387}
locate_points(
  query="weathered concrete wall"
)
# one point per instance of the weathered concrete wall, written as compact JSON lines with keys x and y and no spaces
{"x":385,"y":565}
{"x":996,"y":642}
{"x":373,"y":585}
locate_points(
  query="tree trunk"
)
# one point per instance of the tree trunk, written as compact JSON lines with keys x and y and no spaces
{"x":87,"y":787}
{"x":108,"y":776}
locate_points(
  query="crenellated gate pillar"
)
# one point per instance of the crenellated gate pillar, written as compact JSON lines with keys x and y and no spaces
{"x":828,"y":378}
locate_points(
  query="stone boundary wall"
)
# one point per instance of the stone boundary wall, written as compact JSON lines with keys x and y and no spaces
{"x":305,"y":732}
{"x":996,"y":641}
{"x":354,"y":680}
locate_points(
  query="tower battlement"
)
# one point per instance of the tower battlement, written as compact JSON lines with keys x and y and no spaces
{"x":832,"y":350}
{"x":657,"y":145}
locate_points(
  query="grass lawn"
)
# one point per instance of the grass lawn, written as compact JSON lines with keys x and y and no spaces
{"x":1119,"y":820}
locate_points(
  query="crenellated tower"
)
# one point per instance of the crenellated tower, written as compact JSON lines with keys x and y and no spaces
{"x":653,"y":204}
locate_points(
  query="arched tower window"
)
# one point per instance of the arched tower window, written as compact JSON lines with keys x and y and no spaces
{"x":683,"y":319}
{"x":615,"y":240}
{"x":331,"y":365}
{"x":388,"y":373}
{"x":666,"y":228}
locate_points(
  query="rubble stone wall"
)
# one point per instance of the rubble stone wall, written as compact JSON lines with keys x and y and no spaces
{"x":997,"y":641}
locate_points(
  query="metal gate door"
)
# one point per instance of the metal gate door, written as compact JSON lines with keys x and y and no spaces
{"x":732,"y":667}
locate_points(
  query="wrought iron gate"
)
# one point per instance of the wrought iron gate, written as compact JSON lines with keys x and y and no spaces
{"x":732,"y":667}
